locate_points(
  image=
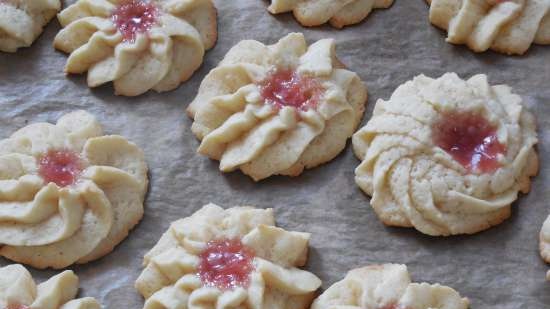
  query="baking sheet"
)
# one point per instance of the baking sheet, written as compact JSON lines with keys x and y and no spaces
{"x":499,"y":268}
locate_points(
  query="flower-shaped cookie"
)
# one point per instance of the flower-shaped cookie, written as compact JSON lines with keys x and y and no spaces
{"x":234,"y":258}
{"x":68,"y":194}
{"x":22,"y":21}
{"x":137,"y":44}
{"x":19,"y":291}
{"x":339,"y":13}
{"x":277,"y":109}
{"x":387,"y":286}
{"x":447,"y":156}
{"x":505,"y":26}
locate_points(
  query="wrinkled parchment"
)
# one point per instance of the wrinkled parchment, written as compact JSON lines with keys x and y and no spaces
{"x":499,"y":268}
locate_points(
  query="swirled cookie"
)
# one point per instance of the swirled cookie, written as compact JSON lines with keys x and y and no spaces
{"x":19,"y":291}
{"x":447,"y":156}
{"x":137,"y":44}
{"x":387,"y":286}
{"x":68,"y":194}
{"x":22,"y":21}
{"x":277,"y":109}
{"x":505,"y":26}
{"x":544,"y":243}
{"x":233,"y":258}
{"x":339,"y":13}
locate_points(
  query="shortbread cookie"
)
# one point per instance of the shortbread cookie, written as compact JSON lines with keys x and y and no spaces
{"x":19,"y":291}
{"x":339,"y":13}
{"x":22,"y":21}
{"x":447,"y":156}
{"x":506,"y":26}
{"x":68,"y":194}
{"x":233,"y":258}
{"x":137,"y":44}
{"x":277,"y":109}
{"x":544,"y":243}
{"x":387,"y":286}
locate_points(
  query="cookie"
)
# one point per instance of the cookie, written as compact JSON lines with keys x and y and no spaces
{"x":19,"y":291}
{"x":505,"y":26}
{"x":68,"y":193}
{"x":278,"y":109}
{"x":447,"y":156}
{"x":137,"y":44}
{"x":22,"y":21}
{"x":232,"y":258}
{"x":544,"y":243}
{"x":339,"y":13}
{"x":387,"y":286}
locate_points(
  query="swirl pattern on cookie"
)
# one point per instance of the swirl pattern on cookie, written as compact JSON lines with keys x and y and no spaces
{"x":19,"y":291}
{"x":505,"y":26}
{"x":137,"y":44}
{"x":68,"y":193}
{"x":338,"y":13}
{"x":446,"y":156}
{"x":22,"y":21}
{"x":233,"y":258}
{"x":277,"y":109}
{"x":387,"y":286}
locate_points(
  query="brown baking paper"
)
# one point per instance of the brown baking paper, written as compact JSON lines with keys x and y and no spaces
{"x":499,"y":268}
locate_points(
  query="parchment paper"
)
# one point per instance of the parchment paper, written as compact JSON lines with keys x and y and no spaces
{"x":499,"y":268}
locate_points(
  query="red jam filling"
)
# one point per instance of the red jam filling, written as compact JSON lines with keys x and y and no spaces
{"x":470,"y":139}
{"x":288,"y":88}
{"x":134,"y":16}
{"x":226,"y":264}
{"x":62,"y":167}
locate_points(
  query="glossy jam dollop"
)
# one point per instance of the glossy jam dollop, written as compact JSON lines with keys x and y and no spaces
{"x":226,"y":264}
{"x":470,"y":139}
{"x":288,"y":88}
{"x":134,"y":16}
{"x":62,"y":167}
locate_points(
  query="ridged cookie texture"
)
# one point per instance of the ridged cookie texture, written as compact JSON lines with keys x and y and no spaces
{"x":68,"y":193}
{"x":416,"y":182}
{"x":239,"y":127}
{"x":172,"y":277}
{"x":505,"y":26}
{"x":22,"y":21}
{"x":18,"y":290}
{"x":339,"y":13}
{"x":387,"y":286}
{"x":137,"y":44}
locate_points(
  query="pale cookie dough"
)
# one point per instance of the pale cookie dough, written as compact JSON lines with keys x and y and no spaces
{"x":22,"y":21}
{"x":175,"y":275}
{"x":417,"y":182}
{"x":243,"y":129}
{"x":505,"y":26}
{"x":387,"y":286}
{"x":68,"y":193}
{"x":339,"y":13}
{"x":544,"y":243}
{"x":18,"y":290}
{"x":137,"y":44}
